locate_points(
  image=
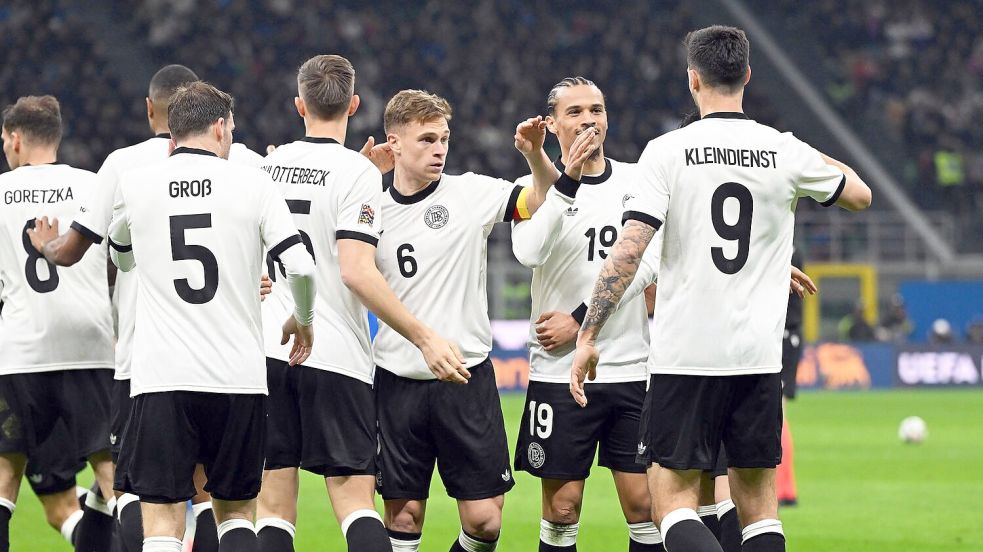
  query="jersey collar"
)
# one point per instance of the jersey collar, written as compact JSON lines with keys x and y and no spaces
{"x":319,"y":140}
{"x":195,"y":151}
{"x":588,"y":179}
{"x":166,"y":135}
{"x":727,"y":115}
{"x":415,"y":198}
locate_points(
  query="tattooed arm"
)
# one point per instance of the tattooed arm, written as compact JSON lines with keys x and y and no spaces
{"x":616,"y":275}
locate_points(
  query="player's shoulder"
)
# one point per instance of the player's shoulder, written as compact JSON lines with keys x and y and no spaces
{"x":472,"y":179}
{"x":241,"y":154}
{"x":139,"y":152}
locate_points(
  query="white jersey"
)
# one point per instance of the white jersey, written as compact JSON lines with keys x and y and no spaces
{"x":334,"y":193}
{"x":433,"y":253}
{"x":726,"y":189}
{"x":93,"y":222}
{"x":565,"y":243}
{"x":198,"y":226}
{"x":53,"y":318}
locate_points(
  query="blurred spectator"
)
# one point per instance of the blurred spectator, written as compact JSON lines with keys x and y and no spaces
{"x":854,"y":327}
{"x":974,"y":331}
{"x":941,"y":332}
{"x":895,"y":325}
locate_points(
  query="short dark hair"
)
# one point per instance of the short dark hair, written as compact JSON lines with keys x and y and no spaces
{"x":326,"y":83}
{"x":720,"y":55}
{"x":167,"y":80}
{"x":195,"y":107}
{"x":568,"y":82}
{"x":38,"y":118}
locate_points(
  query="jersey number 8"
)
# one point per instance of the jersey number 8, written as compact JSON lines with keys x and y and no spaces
{"x":31,"y":266}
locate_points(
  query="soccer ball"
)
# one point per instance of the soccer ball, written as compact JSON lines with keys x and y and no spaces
{"x":912,"y":430}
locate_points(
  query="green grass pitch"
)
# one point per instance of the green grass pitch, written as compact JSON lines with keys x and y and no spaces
{"x":860,"y":489}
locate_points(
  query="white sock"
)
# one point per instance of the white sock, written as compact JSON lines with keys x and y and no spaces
{"x":80,"y":491}
{"x":278,"y":523}
{"x":357,"y":515}
{"x":197,"y":509}
{"x":231,"y":524}
{"x":472,"y":544}
{"x":760,"y":528}
{"x":644,"y":533}
{"x":68,"y":527}
{"x":724,"y":506}
{"x":400,"y":545}
{"x":96,"y":502}
{"x":555,"y":534}
{"x":124,"y":501}
{"x":710,"y":510}
{"x":8,"y":504}
{"x":674,"y":517}
{"x":162,"y":544}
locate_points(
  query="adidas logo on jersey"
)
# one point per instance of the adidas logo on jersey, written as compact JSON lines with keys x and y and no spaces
{"x":112,"y":438}
{"x":642,"y":448}
{"x":36,"y":478}
{"x":507,"y":476}
{"x":571,"y":211}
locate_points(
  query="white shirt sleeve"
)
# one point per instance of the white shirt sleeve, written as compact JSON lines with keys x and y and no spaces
{"x":533,"y":239}
{"x":494,"y":199}
{"x":360,"y":212}
{"x":120,"y":243}
{"x":649,"y":203}
{"x":814,"y":177}
{"x":97,"y":207}
{"x":281,"y":239}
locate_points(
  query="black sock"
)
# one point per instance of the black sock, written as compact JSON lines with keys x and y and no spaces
{"x":765,"y":542}
{"x":131,"y":527}
{"x":730,"y":532}
{"x":543,"y":547}
{"x":239,"y":539}
{"x":116,"y":544}
{"x":367,"y":534}
{"x":206,"y":534}
{"x":712,"y":523}
{"x":5,"y":529}
{"x":94,"y":531}
{"x":482,"y":544}
{"x":635,"y":546}
{"x":690,"y":535}
{"x":274,"y":539}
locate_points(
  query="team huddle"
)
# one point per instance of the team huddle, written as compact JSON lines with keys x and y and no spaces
{"x":241,"y":287}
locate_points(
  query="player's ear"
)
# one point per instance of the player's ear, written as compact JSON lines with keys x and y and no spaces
{"x":393,"y":140}
{"x":301,"y":108}
{"x":694,"y":80}
{"x":747,"y":77}
{"x":218,"y":128}
{"x":353,"y":106}
{"x":551,"y":124}
{"x":150,"y":109}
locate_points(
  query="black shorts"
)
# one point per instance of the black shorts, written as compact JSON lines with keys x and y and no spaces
{"x":791,"y":355}
{"x":120,"y":409}
{"x":720,"y":465}
{"x":558,"y":438}
{"x":460,"y":427}
{"x":49,"y":469}
{"x":686,"y":418}
{"x":34,"y":403}
{"x":170,"y":432}
{"x":320,"y":421}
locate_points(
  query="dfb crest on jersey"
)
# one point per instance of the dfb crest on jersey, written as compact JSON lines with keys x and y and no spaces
{"x":536,"y":455}
{"x":366,"y":215}
{"x":436,"y":216}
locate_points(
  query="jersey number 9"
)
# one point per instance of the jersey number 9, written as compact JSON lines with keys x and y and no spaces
{"x":740,"y":231}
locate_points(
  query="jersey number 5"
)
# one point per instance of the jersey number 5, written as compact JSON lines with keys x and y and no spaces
{"x":740,"y":231}
{"x":182,"y":251}
{"x":31,"y":266}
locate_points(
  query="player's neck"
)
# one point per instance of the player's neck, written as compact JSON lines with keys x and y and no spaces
{"x":720,"y":103}
{"x":326,"y":129}
{"x":159,"y":127}
{"x":44,"y":156}
{"x":593,"y":166}
{"x":200,"y":143}
{"x":407,"y":186}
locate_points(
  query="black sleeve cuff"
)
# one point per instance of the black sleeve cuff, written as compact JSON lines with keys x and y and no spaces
{"x":644,"y":218}
{"x":352,"y":235}
{"x":836,"y":195}
{"x":86,"y":233}
{"x":579,"y":313}
{"x":510,"y":207}
{"x":566,"y":185}
{"x":120,"y":248}
{"x":286,"y":244}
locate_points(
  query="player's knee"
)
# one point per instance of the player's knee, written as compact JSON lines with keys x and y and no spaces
{"x":485,"y":527}
{"x":406,"y":520}
{"x":563,"y":513}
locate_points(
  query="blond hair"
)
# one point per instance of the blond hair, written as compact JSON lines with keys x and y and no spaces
{"x":409,"y":106}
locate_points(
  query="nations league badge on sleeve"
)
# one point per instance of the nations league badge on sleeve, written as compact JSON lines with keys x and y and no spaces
{"x":939,"y":366}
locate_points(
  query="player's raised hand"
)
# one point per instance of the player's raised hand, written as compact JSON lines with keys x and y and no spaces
{"x":303,"y":340}
{"x":444,"y":359}
{"x":801,"y":283}
{"x":555,"y":329}
{"x":581,"y":150}
{"x":381,"y":156}
{"x":530,"y":135}
{"x":584,"y":368}
{"x":265,"y":287}
{"x":43,"y":232}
